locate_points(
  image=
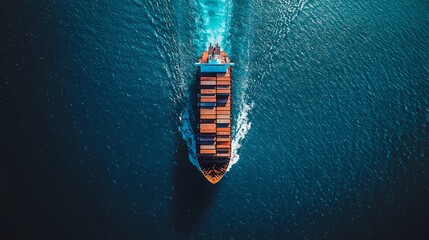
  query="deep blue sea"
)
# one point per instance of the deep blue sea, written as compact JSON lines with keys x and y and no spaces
{"x":330,"y":120}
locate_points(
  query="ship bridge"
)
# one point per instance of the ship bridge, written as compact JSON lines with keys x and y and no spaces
{"x":214,"y":61}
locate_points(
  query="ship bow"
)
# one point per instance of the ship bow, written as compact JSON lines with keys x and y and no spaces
{"x":214,"y":171}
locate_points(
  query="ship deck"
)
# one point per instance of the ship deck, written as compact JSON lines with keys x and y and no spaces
{"x":214,"y":118}
{"x":214,"y":114}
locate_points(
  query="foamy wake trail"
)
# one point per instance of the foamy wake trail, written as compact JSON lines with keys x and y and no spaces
{"x":240,"y":132}
{"x":213,"y":23}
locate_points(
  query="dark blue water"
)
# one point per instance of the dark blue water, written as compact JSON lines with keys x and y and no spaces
{"x":331,"y":120}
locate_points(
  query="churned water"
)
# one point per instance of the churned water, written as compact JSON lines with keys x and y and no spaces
{"x":330,"y":110}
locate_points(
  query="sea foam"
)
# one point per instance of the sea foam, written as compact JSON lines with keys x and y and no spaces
{"x":213,"y":22}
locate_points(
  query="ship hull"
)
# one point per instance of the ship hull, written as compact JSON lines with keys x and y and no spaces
{"x":214,"y":114}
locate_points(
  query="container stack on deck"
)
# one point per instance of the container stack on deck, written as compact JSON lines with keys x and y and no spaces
{"x":215,"y":115}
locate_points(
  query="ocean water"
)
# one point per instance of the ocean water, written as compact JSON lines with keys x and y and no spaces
{"x":330,"y":130}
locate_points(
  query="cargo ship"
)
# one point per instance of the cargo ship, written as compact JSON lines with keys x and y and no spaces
{"x":214,"y":113}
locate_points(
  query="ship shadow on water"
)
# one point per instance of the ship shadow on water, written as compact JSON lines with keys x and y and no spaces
{"x":192,"y":194}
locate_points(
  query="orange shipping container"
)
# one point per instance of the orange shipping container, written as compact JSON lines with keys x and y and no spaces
{"x":223,"y":91}
{"x":223,"y":121}
{"x":224,"y":112}
{"x":223,"y":133}
{"x":223,"y":146}
{"x":208,"y":111}
{"x":205,"y":56}
{"x":223,"y":83}
{"x":207,"y":151}
{"x":223,"y":139}
{"x":208,"y":130}
{"x":219,"y":88}
{"x":224,"y":116}
{"x":208,"y":91}
{"x":207,"y":125}
{"x":208,"y":82}
{"x":207,"y":147}
{"x":208,"y":78}
{"x":208,"y":99}
{"x":226,"y":129}
{"x":207,"y":116}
